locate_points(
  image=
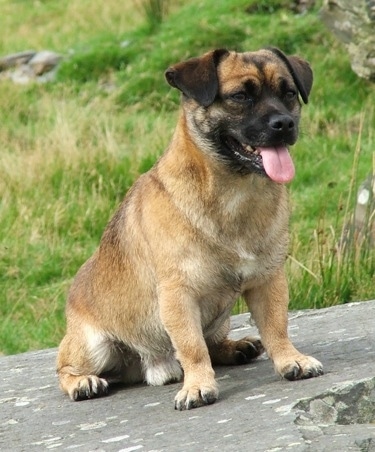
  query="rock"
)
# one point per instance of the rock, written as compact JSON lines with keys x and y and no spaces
{"x":28,"y":66}
{"x":16,"y":59}
{"x":352,"y":402}
{"x":364,"y":217}
{"x":360,"y":230}
{"x":256,"y":410}
{"x":353,"y":23}
{"x":44,"y":61}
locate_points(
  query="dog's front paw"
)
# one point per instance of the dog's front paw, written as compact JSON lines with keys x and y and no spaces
{"x":195,"y":396}
{"x":88,"y":387}
{"x":300,"y":368}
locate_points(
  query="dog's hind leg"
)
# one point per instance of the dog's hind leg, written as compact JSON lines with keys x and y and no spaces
{"x":78,"y":370}
{"x":89,"y":360}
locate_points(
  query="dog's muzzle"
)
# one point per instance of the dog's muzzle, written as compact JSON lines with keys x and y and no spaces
{"x":264,"y":152}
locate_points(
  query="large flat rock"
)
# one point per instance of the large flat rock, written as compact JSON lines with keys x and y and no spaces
{"x":256,"y":410}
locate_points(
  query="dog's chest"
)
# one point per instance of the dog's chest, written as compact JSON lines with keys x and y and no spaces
{"x":247,"y":263}
{"x":254,"y":261}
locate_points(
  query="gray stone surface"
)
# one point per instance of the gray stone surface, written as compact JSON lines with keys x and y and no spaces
{"x":256,"y":411}
{"x":353,"y":23}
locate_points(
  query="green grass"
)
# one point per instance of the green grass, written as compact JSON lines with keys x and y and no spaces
{"x":70,"y":150}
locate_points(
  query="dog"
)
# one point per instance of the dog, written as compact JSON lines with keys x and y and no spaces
{"x":206,"y":225}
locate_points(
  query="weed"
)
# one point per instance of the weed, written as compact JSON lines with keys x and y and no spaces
{"x":155,"y":11}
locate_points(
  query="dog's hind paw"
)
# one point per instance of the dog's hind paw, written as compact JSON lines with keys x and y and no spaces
{"x":231,"y":352}
{"x":88,"y":387}
{"x":247,"y":349}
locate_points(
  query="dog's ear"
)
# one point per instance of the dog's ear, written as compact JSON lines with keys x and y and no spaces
{"x":302,"y":75}
{"x":300,"y":71}
{"x":197,"y":77}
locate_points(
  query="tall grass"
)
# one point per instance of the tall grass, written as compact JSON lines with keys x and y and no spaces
{"x":70,"y":150}
{"x":341,"y":263}
{"x":155,"y":11}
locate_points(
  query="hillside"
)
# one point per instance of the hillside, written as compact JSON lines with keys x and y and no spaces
{"x":70,"y":149}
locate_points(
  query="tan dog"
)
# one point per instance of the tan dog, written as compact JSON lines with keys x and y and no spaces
{"x":208,"y":223}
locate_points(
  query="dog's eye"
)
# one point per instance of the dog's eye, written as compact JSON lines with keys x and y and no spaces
{"x":241,"y":96}
{"x":290,"y":95}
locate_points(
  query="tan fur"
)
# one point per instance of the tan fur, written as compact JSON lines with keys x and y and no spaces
{"x":153,"y":303}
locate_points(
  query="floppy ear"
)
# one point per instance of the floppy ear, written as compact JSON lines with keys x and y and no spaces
{"x":300,"y":70}
{"x":302,"y":75}
{"x":197,"y":77}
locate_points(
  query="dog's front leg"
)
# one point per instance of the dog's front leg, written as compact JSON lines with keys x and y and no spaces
{"x":180,"y":314}
{"x":268,"y":305}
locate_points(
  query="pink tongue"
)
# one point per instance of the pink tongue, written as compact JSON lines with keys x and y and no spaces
{"x":277,"y":164}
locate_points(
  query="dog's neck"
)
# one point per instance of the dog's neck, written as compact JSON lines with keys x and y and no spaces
{"x":201,"y":173}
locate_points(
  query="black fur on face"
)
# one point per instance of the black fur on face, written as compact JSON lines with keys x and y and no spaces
{"x":258,"y":118}
{"x":242,"y":103}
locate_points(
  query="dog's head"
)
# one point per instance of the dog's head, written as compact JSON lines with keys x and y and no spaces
{"x":245,"y":106}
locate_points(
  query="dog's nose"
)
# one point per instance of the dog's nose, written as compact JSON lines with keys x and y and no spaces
{"x":281,"y":123}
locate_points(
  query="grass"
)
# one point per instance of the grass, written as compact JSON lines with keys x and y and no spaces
{"x":341,"y":264}
{"x":69,"y":150}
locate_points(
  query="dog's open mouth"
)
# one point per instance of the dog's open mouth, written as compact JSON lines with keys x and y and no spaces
{"x":274,"y":161}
